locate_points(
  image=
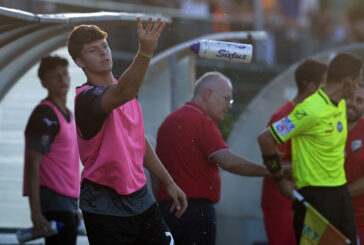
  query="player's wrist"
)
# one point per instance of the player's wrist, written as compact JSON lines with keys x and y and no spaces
{"x":167,"y":181}
{"x":147,"y":53}
{"x":278,"y":178}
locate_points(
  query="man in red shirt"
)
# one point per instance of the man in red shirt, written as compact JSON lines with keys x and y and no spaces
{"x":191,"y":147}
{"x":354,"y":157}
{"x":277,"y":209}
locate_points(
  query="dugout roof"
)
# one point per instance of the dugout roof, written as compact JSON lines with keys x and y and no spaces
{"x":26,"y":37}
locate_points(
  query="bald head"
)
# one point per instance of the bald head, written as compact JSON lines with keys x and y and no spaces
{"x":213,"y":93}
{"x":210,"y":80}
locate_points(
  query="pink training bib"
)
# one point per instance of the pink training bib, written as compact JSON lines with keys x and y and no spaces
{"x":114,"y":157}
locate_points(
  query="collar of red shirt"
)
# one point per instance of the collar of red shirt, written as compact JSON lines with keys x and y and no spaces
{"x":195,"y":107}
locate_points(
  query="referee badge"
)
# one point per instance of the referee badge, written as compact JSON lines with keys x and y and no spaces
{"x":339,"y":126}
{"x":356,"y":145}
{"x":284,"y":126}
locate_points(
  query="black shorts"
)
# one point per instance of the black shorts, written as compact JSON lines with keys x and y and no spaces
{"x":334,"y":203}
{"x":196,"y":226}
{"x":68,"y":234}
{"x":145,"y":228}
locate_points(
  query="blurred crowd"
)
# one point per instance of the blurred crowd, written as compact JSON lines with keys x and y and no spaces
{"x":297,"y":28}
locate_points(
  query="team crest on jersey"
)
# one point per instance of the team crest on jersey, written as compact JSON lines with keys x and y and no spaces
{"x":356,"y":145}
{"x":339,"y":126}
{"x":49,"y":122}
{"x":299,"y":114}
{"x":98,"y":90}
{"x":330,"y":128}
{"x":284,"y":126}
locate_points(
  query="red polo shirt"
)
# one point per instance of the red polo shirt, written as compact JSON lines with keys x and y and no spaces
{"x":271,"y":197}
{"x":277,"y":209}
{"x":185,"y":142}
{"x":354,"y":169}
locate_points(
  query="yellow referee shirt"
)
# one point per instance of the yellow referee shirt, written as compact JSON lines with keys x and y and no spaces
{"x":318,"y":130}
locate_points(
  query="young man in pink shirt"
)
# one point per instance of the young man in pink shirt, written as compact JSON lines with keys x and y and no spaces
{"x":51,"y":166}
{"x":116,"y":203}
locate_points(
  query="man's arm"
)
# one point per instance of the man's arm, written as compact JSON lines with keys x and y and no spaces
{"x":268,"y":149}
{"x":356,"y":188}
{"x":129,"y":83}
{"x":236,"y":164}
{"x":154,"y":165}
{"x":33,"y":160}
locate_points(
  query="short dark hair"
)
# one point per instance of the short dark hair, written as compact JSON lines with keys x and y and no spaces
{"x":355,"y":11}
{"x":81,"y":35}
{"x":343,"y":65}
{"x":49,"y":63}
{"x":309,"y":71}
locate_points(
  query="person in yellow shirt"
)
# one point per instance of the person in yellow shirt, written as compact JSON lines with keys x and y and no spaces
{"x":317,"y":128}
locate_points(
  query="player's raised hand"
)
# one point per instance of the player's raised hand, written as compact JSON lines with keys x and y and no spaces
{"x":148,"y":36}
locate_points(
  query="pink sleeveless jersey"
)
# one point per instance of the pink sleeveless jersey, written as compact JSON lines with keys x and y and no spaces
{"x":60,"y":168}
{"x":114,"y":157}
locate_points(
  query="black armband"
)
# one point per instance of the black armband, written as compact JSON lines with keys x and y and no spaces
{"x":272,"y":162}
